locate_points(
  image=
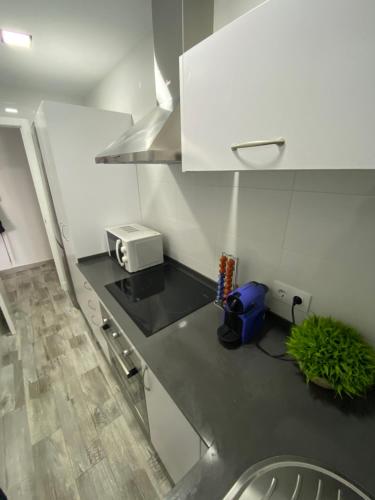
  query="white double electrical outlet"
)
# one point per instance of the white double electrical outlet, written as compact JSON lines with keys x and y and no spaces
{"x":285,"y":293}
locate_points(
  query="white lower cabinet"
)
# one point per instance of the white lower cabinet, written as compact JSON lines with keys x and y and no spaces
{"x":90,"y":306}
{"x":177,"y":444}
{"x":175,"y":441}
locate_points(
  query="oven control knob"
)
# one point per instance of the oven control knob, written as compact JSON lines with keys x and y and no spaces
{"x":124,"y":259}
{"x":115,"y":335}
{"x":126,"y":352}
{"x":123,"y":249}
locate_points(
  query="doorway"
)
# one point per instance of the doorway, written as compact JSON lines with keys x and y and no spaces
{"x":35,"y":213}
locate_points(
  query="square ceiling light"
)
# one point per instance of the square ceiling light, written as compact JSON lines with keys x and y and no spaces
{"x":15,"y":39}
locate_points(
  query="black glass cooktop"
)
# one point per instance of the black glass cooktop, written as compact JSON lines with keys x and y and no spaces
{"x":159,"y":296}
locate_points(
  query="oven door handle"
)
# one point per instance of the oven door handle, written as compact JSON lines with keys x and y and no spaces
{"x":129,"y":372}
{"x":118,"y":243}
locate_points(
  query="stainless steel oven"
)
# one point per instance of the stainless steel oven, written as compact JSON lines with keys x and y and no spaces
{"x":127,"y":368}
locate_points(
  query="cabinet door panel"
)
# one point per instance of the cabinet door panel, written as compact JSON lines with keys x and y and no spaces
{"x":176,"y":442}
{"x":296,"y":69}
{"x":87,"y":197}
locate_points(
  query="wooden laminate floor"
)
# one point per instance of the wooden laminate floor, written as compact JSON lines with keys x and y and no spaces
{"x":65,"y":430}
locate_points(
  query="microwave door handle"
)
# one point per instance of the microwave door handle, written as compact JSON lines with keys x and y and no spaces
{"x":118,"y":243}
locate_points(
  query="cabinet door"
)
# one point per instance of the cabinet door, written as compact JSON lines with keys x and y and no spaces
{"x":298,"y":69}
{"x":176,"y":442}
{"x":90,"y":306}
{"x":91,"y":196}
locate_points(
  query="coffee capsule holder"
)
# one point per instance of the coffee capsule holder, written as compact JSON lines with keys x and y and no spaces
{"x":227,"y":277}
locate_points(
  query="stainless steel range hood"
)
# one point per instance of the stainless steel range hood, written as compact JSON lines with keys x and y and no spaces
{"x":156,"y":138}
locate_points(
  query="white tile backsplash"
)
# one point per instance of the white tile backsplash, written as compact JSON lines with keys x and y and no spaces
{"x":271,"y":179}
{"x":336,"y":181}
{"x":262,"y":216}
{"x":331,"y":226}
{"x":343,"y":289}
{"x":313,"y":230}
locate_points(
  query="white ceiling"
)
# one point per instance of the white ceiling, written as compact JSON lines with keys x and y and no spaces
{"x":75,"y":42}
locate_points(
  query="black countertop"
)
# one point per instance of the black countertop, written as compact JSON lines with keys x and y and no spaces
{"x":245,"y":405}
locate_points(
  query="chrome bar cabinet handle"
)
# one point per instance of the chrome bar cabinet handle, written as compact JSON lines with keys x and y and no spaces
{"x":253,"y":144}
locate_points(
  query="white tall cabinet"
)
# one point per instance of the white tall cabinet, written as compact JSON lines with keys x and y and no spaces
{"x":300,"y":70}
{"x":87,"y":197}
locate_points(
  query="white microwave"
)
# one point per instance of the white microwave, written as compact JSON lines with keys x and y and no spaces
{"x":135,"y":247}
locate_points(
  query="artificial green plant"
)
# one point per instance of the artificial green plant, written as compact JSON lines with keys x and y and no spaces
{"x":328,"y":349}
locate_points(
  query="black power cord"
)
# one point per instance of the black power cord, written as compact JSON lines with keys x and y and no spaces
{"x":282,"y":357}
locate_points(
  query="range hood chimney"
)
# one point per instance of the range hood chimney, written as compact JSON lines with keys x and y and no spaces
{"x":156,"y":138}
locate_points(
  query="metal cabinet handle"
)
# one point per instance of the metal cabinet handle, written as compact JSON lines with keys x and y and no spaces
{"x":87,"y":286}
{"x":143,"y":379}
{"x":92,"y":307}
{"x":253,"y":144}
{"x":62,"y":226}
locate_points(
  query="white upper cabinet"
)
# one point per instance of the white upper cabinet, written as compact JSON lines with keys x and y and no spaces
{"x":87,"y":197}
{"x":301,"y":70}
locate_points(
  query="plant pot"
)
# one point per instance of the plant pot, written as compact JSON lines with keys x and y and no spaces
{"x":322,"y":382}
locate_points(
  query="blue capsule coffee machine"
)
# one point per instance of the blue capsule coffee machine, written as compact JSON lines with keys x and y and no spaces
{"x":244,"y":313}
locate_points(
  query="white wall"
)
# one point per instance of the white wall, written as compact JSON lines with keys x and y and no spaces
{"x":228,"y":10}
{"x":130,"y":86}
{"x":19,"y":209}
{"x":314,"y":230}
{"x":27,"y":100}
